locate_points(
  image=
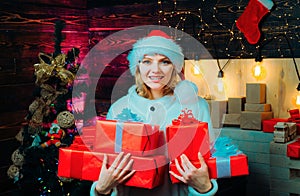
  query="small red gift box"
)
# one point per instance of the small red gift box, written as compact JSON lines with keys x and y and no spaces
{"x":187,"y":136}
{"x":137,"y":138}
{"x":220,"y":167}
{"x":268,"y":125}
{"x":86,"y":165}
{"x":293,"y":149}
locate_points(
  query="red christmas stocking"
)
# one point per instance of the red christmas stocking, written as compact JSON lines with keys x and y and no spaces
{"x":249,"y":20}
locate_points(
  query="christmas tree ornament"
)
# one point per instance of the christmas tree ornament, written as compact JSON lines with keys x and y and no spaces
{"x":13,"y":172}
{"x":65,"y":119}
{"x":248,"y":22}
{"x":17,"y":158}
{"x":55,"y":135}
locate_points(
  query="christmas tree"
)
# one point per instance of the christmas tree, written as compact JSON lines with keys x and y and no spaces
{"x":50,"y":125}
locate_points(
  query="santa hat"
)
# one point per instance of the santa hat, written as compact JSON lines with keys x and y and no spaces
{"x":156,"y":42}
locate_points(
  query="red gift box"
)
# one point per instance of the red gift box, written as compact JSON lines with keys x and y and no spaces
{"x":137,"y":138}
{"x":188,"y":136}
{"x":86,"y":165}
{"x":293,"y":149}
{"x":268,"y":125}
{"x":220,"y":167}
{"x":295,"y":117}
{"x":88,"y":131}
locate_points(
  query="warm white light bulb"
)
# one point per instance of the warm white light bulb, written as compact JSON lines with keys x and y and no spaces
{"x":220,"y":85}
{"x":257,"y":70}
{"x":196,"y":70}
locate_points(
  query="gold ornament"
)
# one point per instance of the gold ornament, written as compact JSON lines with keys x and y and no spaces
{"x":13,"y":172}
{"x":65,"y":119}
{"x":17,"y":158}
{"x":44,"y":71}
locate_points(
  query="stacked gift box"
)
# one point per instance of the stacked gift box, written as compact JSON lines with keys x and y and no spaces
{"x":111,"y":138}
{"x":235,"y":108}
{"x":285,"y":178}
{"x":185,"y":135}
{"x":284,"y":132}
{"x":217,"y":109}
{"x":256,"y":108}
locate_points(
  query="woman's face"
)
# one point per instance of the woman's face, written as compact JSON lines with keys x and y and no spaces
{"x":156,"y":71}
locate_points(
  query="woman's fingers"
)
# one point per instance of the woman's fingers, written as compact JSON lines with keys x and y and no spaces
{"x":186,"y":163}
{"x":114,"y":165}
{"x":177,"y":177}
{"x":127,"y":176}
{"x":126,"y":169}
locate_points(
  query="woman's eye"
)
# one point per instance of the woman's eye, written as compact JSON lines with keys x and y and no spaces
{"x":147,"y":62}
{"x":166,"y":62}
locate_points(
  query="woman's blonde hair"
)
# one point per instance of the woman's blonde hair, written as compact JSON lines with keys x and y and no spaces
{"x":144,"y":91}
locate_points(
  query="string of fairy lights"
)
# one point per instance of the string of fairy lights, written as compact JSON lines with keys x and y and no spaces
{"x":287,"y":12}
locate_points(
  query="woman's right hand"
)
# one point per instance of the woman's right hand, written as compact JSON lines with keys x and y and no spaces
{"x":117,"y":173}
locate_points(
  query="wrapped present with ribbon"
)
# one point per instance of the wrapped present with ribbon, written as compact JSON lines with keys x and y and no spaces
{"x":226,"y":161}
{"x":86,"y":165}
{"x":268,"y":125}
{"x":81,"y":143}
{"x":293,"y":149}
{"x":188,"y":136}
{"x":126,"y":135}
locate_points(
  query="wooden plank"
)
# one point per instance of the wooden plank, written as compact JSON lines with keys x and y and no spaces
{"x":123,"y":16}
{"x":284,"y":161}
{"x":259,"y":179}
{"x":259,"y":168}
{"x":255,"y":157}
{"x":279,"y":148}
{"x":58,"y":3}
{"x":16,"y":97}
{"x":30,"y":17}
{"x":291,"y":186}
{"x":260,"y":147}
{"x":239,"y":134}
{"x":284,"y":173}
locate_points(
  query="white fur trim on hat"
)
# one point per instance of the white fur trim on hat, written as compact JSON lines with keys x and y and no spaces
{"x":155,"y":45}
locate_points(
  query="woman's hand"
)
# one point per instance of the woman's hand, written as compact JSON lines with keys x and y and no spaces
{"x":117,"y":173}
{"x":198,"y":178}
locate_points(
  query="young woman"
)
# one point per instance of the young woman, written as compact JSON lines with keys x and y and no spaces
{"x":157,"y":98}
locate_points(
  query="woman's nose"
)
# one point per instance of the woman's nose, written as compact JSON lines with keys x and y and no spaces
{"x":155,"y":67}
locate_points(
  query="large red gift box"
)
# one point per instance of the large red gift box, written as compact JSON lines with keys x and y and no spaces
{"x":220,"y":167}
{"x":293,"y":149}
{"x":188,"y":136}
{"x":137,"y":138}
{"x":86,"y":165}
{"x":268,"y":125}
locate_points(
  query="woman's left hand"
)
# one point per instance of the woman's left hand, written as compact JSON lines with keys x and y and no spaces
{"x":198,"y":178}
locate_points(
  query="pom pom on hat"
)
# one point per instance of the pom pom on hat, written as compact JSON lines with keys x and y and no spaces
{"x":157,"y":42}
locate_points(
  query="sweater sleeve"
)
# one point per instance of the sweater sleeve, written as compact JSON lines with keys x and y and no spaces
{"x":94,"y":193}
{"x":213,"y":191}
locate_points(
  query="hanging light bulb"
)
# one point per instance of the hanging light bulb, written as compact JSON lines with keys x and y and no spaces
{"x":298,"y":95}
{"x":196,"y":67}
{"x":257,"y":69}
{"x":220,"y":83}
